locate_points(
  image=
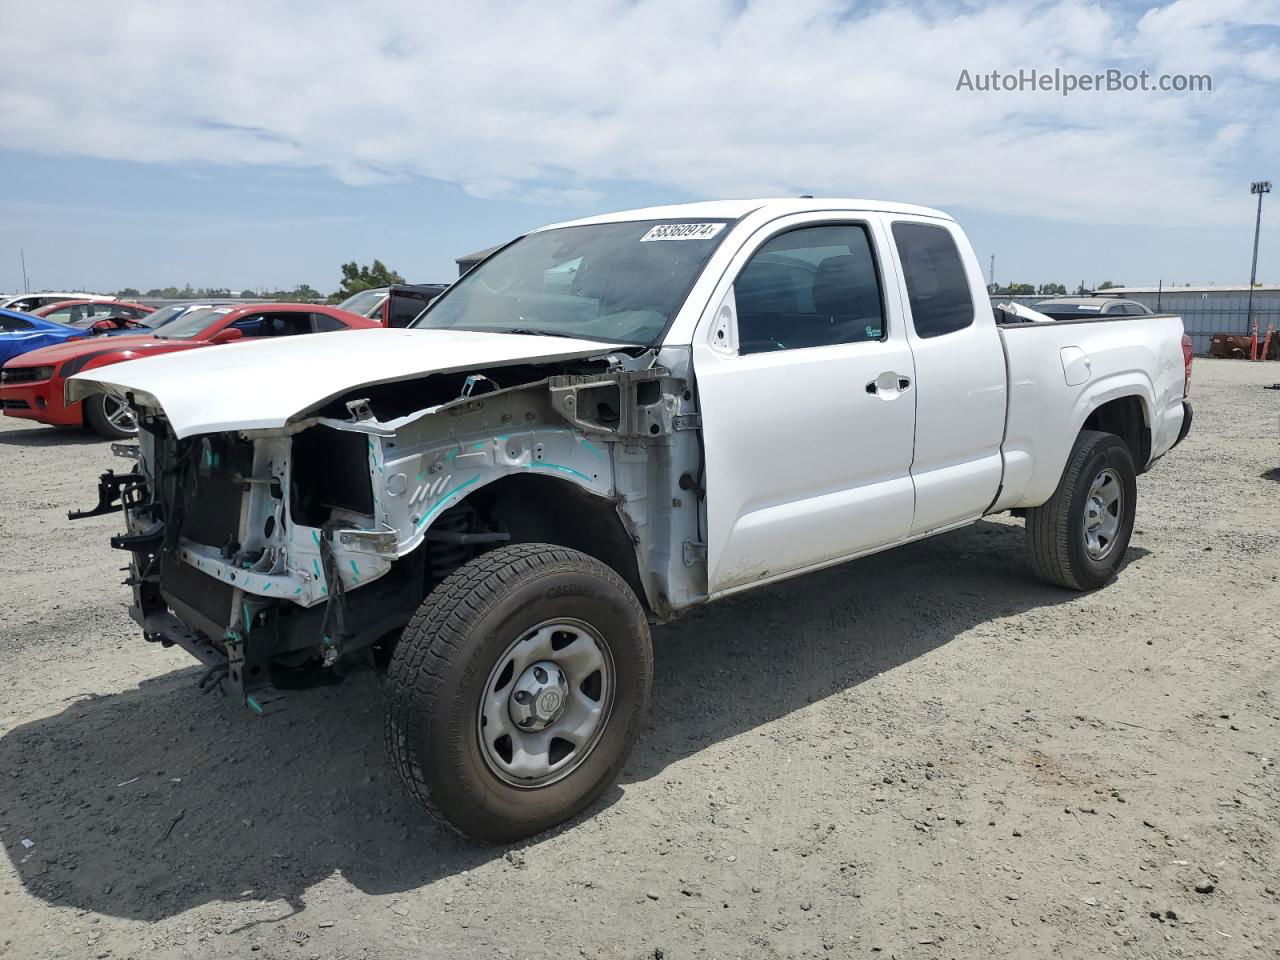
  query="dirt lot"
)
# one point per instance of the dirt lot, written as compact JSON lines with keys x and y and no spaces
{"x":922,"y":754}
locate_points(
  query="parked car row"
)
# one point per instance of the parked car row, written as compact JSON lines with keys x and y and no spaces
{"x":39,"y":353}
{"x":47,"y":337}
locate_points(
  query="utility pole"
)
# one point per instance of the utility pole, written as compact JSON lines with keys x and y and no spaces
{"x":1159,"y":292}
{"x":992,"y":276}
{"x":1259,"y":187}
{"x":26,"y":287}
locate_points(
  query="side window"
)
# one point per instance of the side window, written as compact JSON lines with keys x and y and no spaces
{"x":65,"y":315}
{"x":809,"y":287}
{"x":13,"y":325}
{"x":324,"y":323}
{"x":407,"y":304}
{"x":254,"y":326}
{"x":274,"y":324}
{"x":937,"y":286}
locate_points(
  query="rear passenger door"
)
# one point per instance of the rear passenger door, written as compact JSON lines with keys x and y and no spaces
{"x":805,"y":383}
{"x":960,"y":373}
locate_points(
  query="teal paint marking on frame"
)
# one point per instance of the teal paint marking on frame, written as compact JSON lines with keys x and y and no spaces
{"x":316,"y":563}
{"x":592,"y":447}
{"x":560,"y":467}
{"x":479,"y":446}
{"x":355,"y":572}
{"x":315,"y":535}
{"x":445,"y":499}
{"x":450,"y":455}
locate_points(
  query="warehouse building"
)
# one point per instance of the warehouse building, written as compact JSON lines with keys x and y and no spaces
{"x":1209,"y":310}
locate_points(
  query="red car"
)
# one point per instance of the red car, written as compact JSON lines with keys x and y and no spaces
{"x":100,"y":315}
{"x":31,"y":385}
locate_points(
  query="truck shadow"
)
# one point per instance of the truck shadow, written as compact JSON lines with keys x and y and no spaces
{"x":147,"y":803}
{"x":50,"y":437}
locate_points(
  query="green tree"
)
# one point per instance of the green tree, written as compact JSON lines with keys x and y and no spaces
{"x":1017,"y":290}
{"x":129,"y":293}
{"x":356,"y":278}
{"x":1107,"y":285}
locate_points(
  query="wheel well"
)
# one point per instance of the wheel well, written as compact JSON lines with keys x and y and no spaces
{"x":536,"y":509}
{"x":1127,"y":419}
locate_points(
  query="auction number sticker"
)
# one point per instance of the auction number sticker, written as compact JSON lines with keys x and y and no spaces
{"x":682,"y":231}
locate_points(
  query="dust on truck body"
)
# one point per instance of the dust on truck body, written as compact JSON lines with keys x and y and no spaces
{"x":601,"y":425}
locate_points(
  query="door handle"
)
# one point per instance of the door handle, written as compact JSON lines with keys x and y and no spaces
{"x":888,"y":385}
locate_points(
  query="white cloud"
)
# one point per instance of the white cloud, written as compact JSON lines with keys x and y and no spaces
{"x":543,"y":103}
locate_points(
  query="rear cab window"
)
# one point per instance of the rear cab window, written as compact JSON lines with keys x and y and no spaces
{"x":937,"y":285}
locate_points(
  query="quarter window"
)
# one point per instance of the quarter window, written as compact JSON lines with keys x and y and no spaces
{"x":809,"y":287}
{"x":326,"y":323}
{"x":937,"y":286}
{"x":13,"y":325}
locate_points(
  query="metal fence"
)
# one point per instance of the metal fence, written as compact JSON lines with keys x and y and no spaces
{"x":1202,"y":314}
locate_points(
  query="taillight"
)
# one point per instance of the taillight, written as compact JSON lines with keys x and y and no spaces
{"x":1186,"y":361}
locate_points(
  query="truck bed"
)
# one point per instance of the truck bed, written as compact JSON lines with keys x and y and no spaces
{"x":1098,"y":359}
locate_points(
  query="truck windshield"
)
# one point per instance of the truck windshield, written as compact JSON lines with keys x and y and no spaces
{"x":365,"y":301}
{"x":616,"y":282}
{"x":191,"y":323}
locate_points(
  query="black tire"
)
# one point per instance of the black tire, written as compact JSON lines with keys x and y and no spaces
{"x":1056,"y":531}
{"x":96,"y":416}
{"x":443,"y":662}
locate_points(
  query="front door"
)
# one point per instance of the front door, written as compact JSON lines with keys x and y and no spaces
{"x":806,"y":387}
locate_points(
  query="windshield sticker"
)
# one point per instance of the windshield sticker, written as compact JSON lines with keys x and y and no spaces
{"x":682,"y":231}
{"x":1088,"y":306}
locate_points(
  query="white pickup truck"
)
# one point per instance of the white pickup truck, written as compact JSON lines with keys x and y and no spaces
{"x":600,"y":426}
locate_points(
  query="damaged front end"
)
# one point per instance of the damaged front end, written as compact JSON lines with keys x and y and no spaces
{"x":264,"y":551}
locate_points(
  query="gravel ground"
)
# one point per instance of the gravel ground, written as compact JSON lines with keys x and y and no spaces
{"x":922,"y":754}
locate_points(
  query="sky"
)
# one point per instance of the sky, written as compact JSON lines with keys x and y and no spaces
{"x":249,"y":144}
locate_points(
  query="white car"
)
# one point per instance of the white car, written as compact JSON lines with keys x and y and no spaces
{"x":34,"y":301}
{"x":605,"y":424}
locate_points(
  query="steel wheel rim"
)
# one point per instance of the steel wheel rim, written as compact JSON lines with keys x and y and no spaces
{"x":1103,"y":508}
{"x":536,"y":755}
{"x":118,"y":414}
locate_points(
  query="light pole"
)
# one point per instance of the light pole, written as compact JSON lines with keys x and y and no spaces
{"x":1259,"y":187}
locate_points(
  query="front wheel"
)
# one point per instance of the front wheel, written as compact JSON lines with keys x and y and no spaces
{"x":110,"y":416}
{"x":1078,"y":538}
{"x":517,"y":690}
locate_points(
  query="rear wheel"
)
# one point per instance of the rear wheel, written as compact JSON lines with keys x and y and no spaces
{"x":517,"y":690}
{"x":110,"y":416}
{"x":1078,"y":538}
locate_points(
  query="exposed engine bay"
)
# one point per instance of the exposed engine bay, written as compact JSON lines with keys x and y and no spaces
{"x":273,"y":549}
